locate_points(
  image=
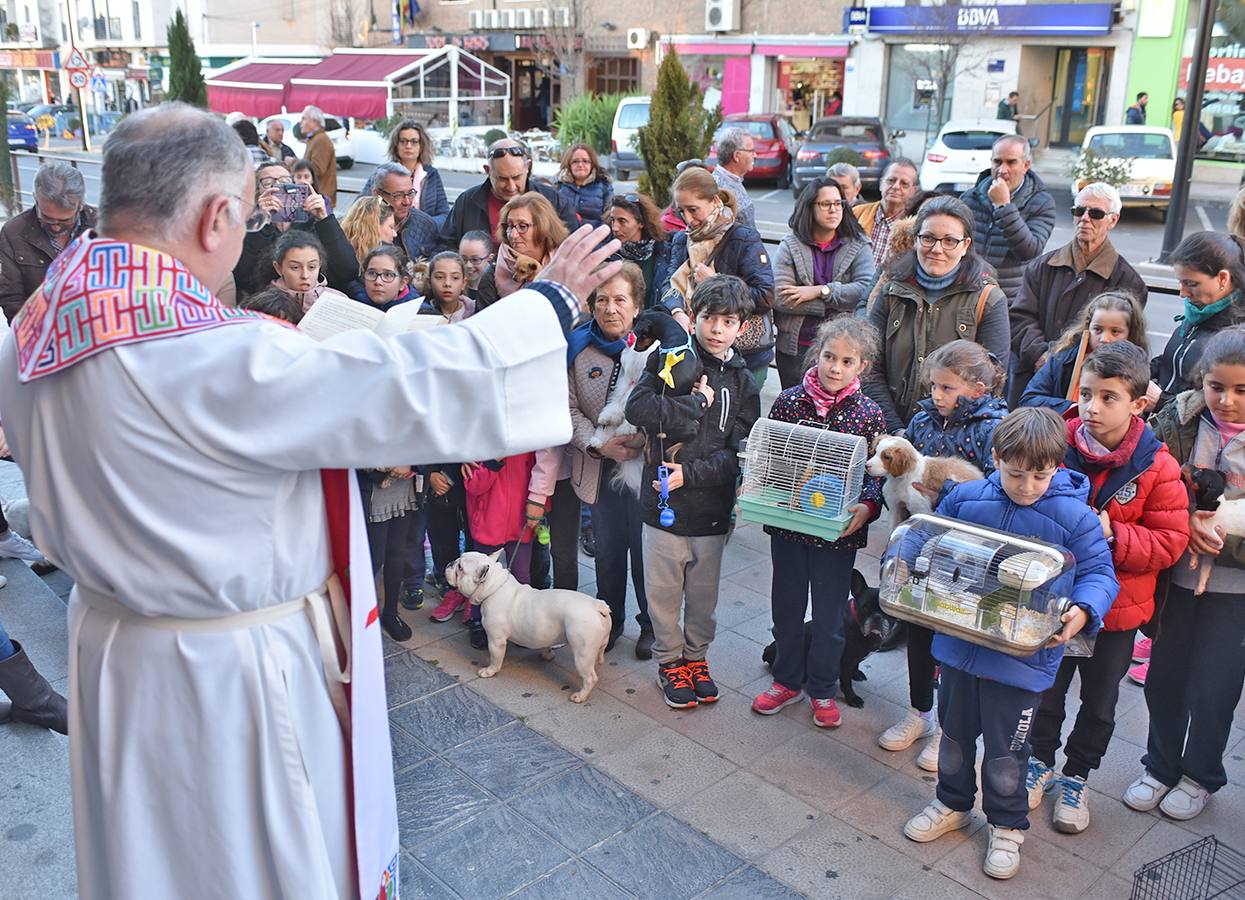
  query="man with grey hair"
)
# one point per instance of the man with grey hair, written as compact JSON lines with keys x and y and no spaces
{"x":228,"y":725}
{"x":394,"y":184}
{"x":847,"y":177}
{"x":736,"y":157}
{"x":31,"y":240}
{"x":319,"y":151}
{"x":1058,"y":285}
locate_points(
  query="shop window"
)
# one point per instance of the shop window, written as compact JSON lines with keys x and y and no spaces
{"x":138,"y":20}
{"x":614,"y":75}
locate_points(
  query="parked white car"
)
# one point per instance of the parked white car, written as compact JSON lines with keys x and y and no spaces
{"x":629,"y":118}
{"x":1152,"y":154}
{"x":333,"y":125}
{"x":960,"y":153}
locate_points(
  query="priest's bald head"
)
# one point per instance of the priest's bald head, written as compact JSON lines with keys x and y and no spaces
{"x":178,"y":179}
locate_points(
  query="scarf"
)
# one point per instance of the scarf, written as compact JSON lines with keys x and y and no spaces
{"x":824,"y":400}
{"x":579,"y":339}
{"x":1195,"y":315}
{"x":935,"y":285}
{"x":702,"y":242}
{"x":504,"y":272}
{"x":102,"y":293}
{"x":635,"y":251}
{"x":306,"y":298}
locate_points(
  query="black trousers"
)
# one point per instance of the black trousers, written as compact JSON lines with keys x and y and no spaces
{"x":1095,"y":723}
{"x":387,"y":542}
{"x":800,"y":570}
{"x":1197,"y":666}
{"x":563,"y":519}
{"x":447,"y":519}
{"x":1002,"y":715}
{"x":921,"y":667}
{"x":791,"y":369}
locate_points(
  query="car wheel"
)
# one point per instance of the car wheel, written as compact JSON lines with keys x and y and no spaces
{"x":784,"y":180}
{"x":346,"y":163}
{"x":1162,"y":213}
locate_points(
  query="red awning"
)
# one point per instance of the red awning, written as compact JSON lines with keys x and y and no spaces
{"x":255,"y":87}
{"x":353,"y":82}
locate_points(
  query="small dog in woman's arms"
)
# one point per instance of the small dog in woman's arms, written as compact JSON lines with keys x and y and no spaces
{"x":903,"y":466}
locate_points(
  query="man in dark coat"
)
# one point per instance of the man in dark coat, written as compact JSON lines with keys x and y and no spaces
{"x":32,"y":239}
{"x":509,"y":172}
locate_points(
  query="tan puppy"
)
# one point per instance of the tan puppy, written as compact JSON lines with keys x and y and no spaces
{"x":532,"y":618}
{"x":903,"y":466}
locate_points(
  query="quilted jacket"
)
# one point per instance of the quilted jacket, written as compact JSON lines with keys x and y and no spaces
{"x":967,"y":433}
{"x":1013,"y":234}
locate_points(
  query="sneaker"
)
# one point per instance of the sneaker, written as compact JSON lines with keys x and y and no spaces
{"x":927,"y":759}
{"x":588,"y":541}
{"x":1145,"y":793}
{"x":1071,"y":805}
{"x":825,"y":713}
{"x":908,"y":731}
{"x":1003,"y":852}
{"x":3,"y":581}
{"x":934,"y":821}
{"x":702,"y":684}
{"x":774,"y":699}
{"x":477,"y":635}
{"x":17,"y":547}
{"x":675,"y":681}
{"x":1137,"y":674}
{"x":450,"y":601}
{"x":1038,"y":781}
{"x":644,"y":645}
{"x":1141,"y":649}
{"x":1185,"y":801}
{"x":397,"y":629}
{"x":413,"y":598}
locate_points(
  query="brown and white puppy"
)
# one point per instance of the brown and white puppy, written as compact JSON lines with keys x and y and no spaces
{"x":903,"y":466}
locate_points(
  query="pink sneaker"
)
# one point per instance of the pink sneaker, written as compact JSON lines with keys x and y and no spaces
{"x":774,"y":699}
{"x":1141,"y":649}
{"x":1137,"y":674}
{"x":450,"y":601}
{"x":825,"y":713}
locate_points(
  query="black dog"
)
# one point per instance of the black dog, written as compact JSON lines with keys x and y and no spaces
{"x":866,"y":629}
{"x":676,"y":362}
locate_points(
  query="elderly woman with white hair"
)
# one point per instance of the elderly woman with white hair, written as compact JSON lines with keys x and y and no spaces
{"x":1059,"y":284}
{"x":319,"y":152}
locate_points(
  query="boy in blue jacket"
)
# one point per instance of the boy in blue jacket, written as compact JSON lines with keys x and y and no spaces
{"x":990,"y":694}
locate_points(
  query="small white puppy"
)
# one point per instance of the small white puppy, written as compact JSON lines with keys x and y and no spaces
{"x":902,"y":465}
{"x":536,"y":619}
{"x":613,"y":423}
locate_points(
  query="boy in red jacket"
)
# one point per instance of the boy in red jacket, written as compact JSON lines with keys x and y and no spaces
{"x":1135,"y":486}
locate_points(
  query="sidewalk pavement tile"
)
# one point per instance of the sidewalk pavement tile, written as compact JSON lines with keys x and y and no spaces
{"x":449,"y":718}
{"x":1110,"y":887}
{"x":663,"y":857}
{"x":734,"y":660}
{"x":454,"y":656}
{"x":757,"y":629}
{"x":432,"y":797}
{"x":1224,"y":815}
{"x":527,"y":684}
{"x":35,"y":619}
{"x":831,"y":859}
{"x":408,"y":677}
{"x":750,"y":884}
{"x":758,"y":578}
{"x":490,"y":855}
{"x":511,"y":759}
{"x":416,"y":883}
{"x":746,"y":815}
{"x":36,"y":827}
{"x":743,"y":557}
{"x":1162,"y":838}
{"x":931,"y":885}
{"x":599,"y":726}
{"x":732,"y":729}
{"x":582,"y":807}
{"x":1113,"y":828}
{"x":819,"y":769}
{"x":574,"y":880}
{"x":664,"y":767}
{"x":407,"y":751}
{"x":737,"y":603}
{"x":1046,"y":871}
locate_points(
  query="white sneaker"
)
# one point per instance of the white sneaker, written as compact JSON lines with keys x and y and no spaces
{"x":934,"y":821}
{"x":17,"y":547}
{"x":1038,"y":781}
{"x":906,"y":732}
{"x":1071,"y":805}
{"x":1185,"y":801}
{"x":927,"y":760}
{"x":1145,"y":793}
{"x":1003,"y":853}
{"x":3,"y":581}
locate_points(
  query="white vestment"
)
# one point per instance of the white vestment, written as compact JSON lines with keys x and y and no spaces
{"x":180,"y":477}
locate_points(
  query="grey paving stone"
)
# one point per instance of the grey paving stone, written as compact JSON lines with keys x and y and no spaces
{"x":1164,"y":837}
{"x":1046,"y":871}
{"x":591,"y":729}
{"x":746,"y":815}
{"x":432,"y":797}
{"x":36,"y":619}
{"x":407,"y":751}
{"x":820,"y":770}
{"x":491,"y":855}
{"x":832,"y":859}
{"x":417,"y":883}
{"x":662,"y":857}
{"x":407,"y":677}
{"x":449,"y":718}
{"x":512,"y":759}
{"x":931,"y":885}
{"x":582,"y":807}
{"x":665,"y":767}
{"x":575,"y":880}
{"x":1113,"y":828}
{"x":751,"y":884}
{"x":36,"y":818}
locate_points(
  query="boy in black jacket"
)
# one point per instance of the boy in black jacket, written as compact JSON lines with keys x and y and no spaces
{"x":697,"y":437}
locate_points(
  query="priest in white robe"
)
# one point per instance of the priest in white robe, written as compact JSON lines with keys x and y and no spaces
{"x":220,"y":691}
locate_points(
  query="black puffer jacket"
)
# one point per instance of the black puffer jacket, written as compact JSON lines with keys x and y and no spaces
{"x":1174,"y":369}
{"x":704,"y":440}
{"x":1013,"y":234}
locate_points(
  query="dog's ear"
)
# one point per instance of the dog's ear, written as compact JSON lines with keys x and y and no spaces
{"x":859,"y":585}
{"x":482,"y":574}
{"x":496,"y":554}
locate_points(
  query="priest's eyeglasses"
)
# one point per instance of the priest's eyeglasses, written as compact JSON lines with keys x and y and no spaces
{"x":257,"y":218}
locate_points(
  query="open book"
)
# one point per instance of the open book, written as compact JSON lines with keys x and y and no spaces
{"x":332,"y":315}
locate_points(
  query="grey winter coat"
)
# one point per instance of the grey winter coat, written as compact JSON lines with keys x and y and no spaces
{"x":793,"y":265}
{"x":1013,"y":234}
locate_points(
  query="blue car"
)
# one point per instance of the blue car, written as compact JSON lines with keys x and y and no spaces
{"x":22,"y":131}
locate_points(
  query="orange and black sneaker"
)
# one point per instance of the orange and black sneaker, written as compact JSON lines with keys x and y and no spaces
{"x":702,"y":684}
{"x":675,"y":682}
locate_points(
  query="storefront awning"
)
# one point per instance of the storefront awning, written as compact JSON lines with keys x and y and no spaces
{"x":355,"y":83}
{"x":254,"y":86}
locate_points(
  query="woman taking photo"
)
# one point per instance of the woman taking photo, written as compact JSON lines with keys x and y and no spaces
{"x":528,"y":231}
{"x":636,"y":222}
{"x":583,"y":185}
{"x":822,"y":269}
{"x":410,"y":146}
{"x":936,"y":293}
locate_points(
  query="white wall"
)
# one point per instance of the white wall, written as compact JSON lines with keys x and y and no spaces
{"x":864,"y":78}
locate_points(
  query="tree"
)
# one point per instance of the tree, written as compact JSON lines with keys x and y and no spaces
{"x":944,"y":55}
{"x":185,"y":70}
{"x":679,"y":128}
{"x":565,"y":41}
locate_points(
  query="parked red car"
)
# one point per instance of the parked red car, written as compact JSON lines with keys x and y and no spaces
{"x":775,"y":143}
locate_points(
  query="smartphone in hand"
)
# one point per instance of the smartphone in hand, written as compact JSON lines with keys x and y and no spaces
{"x":292,"y":197}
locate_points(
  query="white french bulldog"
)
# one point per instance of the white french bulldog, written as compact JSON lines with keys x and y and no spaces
{"x":536,"y":619}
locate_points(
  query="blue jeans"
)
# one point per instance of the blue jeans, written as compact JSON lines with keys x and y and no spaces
{"x":619,"y":533}
{"x":827,"y":573}
{"x":6,"y":646}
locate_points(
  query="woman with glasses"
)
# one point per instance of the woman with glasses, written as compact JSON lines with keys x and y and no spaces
{"x":938,"y":292}
{"x":410,"y":146}
{"x":528,"y":231}
{"x":822,"y":269}
{"x":584,"y":185}
{"x":636,"y":222}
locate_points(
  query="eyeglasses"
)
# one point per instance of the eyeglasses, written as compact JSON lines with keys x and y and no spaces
{"x":1096,"y":214}
{"x":828,"y":205}
{"x":747,"y":150}
{"x":408,"y":142}
{"x":948,"y":243}
{"x":581,"y":162}
{"x":476,"y":260}
{"x":55,"y":223}
{"x":257,"y":218}
{"x":898,"y":182}
{"x":273,"y":181}
{"x":499,"y":152}
{"x":520,"y":227}
{"x":399,"y":195}
{"x":382,"y":277}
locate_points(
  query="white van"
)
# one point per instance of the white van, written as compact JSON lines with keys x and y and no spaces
{"x":629,"y":118}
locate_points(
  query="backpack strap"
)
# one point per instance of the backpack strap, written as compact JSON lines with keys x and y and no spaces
{"x":982,"y":300}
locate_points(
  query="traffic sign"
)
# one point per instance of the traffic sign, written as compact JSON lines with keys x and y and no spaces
{"x":76,"y":60}
{"x":99,"y":85}
{"x":77,"y":79}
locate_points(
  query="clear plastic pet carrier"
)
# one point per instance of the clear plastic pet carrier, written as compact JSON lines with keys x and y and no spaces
{"x":801,"y":477}
{"x":995,"y":589}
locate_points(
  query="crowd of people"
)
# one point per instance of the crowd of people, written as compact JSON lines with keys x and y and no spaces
{"x":929,"y":316}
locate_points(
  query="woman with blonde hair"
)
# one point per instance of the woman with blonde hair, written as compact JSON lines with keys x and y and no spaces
{"x":528,"y":231}
{"x":584,"y":185}
{"x":368,"y":224}
{"x":1236,"y":215}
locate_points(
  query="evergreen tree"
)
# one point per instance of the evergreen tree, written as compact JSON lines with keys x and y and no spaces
{"x":185,"y":70}
{"x":679,"y":128}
